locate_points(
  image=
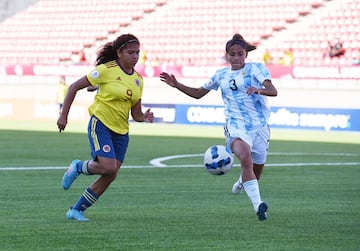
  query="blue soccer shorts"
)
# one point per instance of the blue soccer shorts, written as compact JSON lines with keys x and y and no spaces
{"x":106,"y":143}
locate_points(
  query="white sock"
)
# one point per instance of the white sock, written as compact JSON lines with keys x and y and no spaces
{"x":240,"y":179}
{"x":252,"y":190}
{"x":85,"y":167}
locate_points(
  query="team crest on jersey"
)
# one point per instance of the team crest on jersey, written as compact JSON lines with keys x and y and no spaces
{"x":129,"y":92}
{"x":137,"y":82}
{"x":95,"y":74}
{"x":106,"y":148}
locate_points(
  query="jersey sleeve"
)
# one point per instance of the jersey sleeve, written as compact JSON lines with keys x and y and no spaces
{"x":261,"y":73}
{"x":95,"y":76}
{"x":213,"y":83}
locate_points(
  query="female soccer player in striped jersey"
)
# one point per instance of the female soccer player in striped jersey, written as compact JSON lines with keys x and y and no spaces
{"x":119,"y":93}
{"x":244,"y":87}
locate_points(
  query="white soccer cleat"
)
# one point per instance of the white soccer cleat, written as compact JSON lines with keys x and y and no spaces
{"x":237,"y":187}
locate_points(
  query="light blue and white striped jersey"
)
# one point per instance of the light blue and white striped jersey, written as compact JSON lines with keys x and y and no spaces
{"x":242,"y":111}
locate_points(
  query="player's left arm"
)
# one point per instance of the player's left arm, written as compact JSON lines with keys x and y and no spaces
{"x":140,"y":116}
{"x":267,"y":90}
{"x":262,"y":75}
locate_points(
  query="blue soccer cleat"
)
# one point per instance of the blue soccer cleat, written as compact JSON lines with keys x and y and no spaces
{"x":261,"y":213}
{"x":73,"y":214}
{"x":70,"y":175}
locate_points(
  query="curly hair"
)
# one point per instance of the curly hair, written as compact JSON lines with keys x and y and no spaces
{"x":108,"y":51}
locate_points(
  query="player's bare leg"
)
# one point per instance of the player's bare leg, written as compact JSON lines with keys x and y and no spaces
{"x":238,"y":185}
{"x":107,"y":169}
{"x":249,"y":179}
{"x":258,"y":169}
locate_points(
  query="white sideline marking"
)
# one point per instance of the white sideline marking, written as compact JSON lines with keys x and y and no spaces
{"x":314,"y":154}
{"x":157,"y":162}
{"x":190,"y":165}
{"x":53,"y":168}
{"x":277,"y":164}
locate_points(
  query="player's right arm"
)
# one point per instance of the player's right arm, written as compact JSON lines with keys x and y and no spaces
{"x":69,"y":98}
{"x":190,"y":91}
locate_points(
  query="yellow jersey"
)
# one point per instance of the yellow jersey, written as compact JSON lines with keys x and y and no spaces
{"x":117,"y":93}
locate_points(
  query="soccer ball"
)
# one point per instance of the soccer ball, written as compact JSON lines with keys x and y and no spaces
{"x":218,"y":160}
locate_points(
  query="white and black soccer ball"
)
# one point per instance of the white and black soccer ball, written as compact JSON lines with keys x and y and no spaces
{"x":218,"y":160}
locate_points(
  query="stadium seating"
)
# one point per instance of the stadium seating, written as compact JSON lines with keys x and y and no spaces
{"x":51,"y":31}
{"x":310,"y":45}
{"x":195,"y":33}
{"x":177,"y":32}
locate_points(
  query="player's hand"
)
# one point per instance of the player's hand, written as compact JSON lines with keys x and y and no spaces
{"x":148,"y":116}
{"x":252,"y":90}
{"x":169,"y":79}
{"x":61,"y":123}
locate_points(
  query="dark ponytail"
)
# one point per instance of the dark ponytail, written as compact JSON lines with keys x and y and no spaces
{"x":238,"y":39}
{"x":108,"y":51}
{"x":238,"y":36}
{"x":105,"y":54}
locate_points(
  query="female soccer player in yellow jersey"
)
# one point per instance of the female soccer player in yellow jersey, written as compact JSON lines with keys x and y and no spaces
{"x":119,"y":93}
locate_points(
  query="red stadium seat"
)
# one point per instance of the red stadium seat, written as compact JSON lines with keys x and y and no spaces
{"x":177,"y":31}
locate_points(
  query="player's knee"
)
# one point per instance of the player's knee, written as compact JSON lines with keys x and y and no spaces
{"x":246,"y":162}
{"x":111,"y":170}
{"x":245,"y":159}
{"x":110,"y":177}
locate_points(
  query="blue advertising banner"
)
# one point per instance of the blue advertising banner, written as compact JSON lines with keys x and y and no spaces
{"x":164,"y":113}
{"x":281,"y":117}
{"x":315,"y":118}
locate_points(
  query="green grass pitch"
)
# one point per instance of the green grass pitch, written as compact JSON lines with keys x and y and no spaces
{"x":311,"y":184}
